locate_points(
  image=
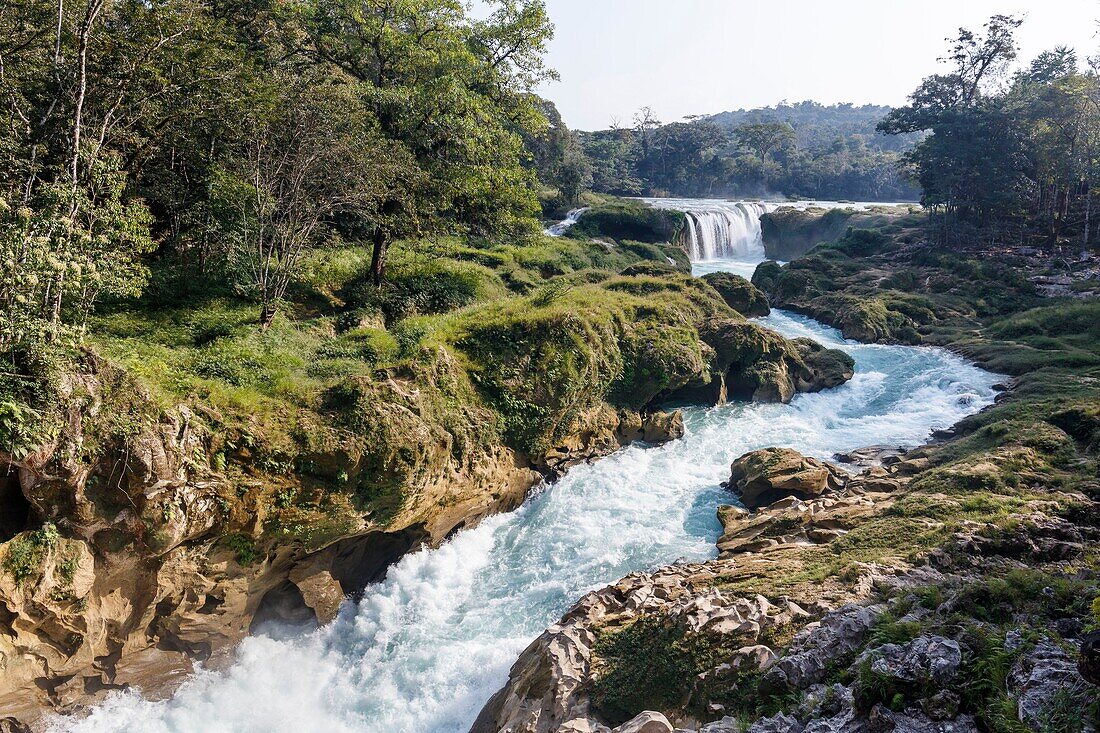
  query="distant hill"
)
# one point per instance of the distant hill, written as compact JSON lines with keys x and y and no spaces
{"x":818,"y":125}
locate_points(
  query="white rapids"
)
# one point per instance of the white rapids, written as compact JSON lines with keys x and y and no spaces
{"x":557,"y":230}
{"x":423,"y":650}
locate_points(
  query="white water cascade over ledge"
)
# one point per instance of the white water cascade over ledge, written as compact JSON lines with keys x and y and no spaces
{"x":424,"y":649}
{"x":720,"y":230}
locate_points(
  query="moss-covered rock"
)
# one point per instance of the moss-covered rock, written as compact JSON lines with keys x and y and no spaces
{"x":789,"y":233}
{"x":760,"y":365}
{"x":629,"y":220}
{"x":739,"y":294}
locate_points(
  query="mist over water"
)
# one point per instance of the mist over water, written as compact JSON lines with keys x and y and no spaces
{"x":424,"y":650}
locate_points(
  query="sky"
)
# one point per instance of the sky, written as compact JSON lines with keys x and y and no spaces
{"x":686,"y":57}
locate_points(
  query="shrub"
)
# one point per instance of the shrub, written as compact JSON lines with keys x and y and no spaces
{"x":26,"y":552}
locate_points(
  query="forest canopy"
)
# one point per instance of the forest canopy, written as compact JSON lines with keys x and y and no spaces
{"x":223,"y":140}
{"x":805,"y":150}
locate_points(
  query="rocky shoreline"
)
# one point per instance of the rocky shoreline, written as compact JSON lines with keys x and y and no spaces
{"x":809,"y":645}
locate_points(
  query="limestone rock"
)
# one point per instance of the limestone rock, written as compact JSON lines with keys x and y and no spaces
{"x":819,"y":644}
{"x":780,"y":723}
{"x":645,"y":722}
{"x":661,"y":427}
{"x":928,"y":658}
{"x":1039,"y":676}
{"x":763,"y":476}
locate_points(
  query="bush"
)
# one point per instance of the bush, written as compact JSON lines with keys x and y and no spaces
{"x":424,"y":289}
{"x":649,"y":665}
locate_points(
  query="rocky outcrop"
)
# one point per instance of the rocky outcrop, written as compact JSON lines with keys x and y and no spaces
{"x":873,"y":652}
{"x":739,"y":294}
{"x":136,"y":556}
{"x":548,"y":686}
{"x":790,"y":233}
{"x":749,"y":362}
{"x":603,"y":431}
{"x":764,"y":476}
{"x":1039,"y":677}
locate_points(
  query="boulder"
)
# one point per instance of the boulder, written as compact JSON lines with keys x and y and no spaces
{"x":928,"y":658}
{"x":764,"y":476}
{"x":645,"y":722}
{"x":750,"y":362}
{"x":739,"y":294}
{"x":872,"y":455}
{"x":824,"y":368}
{"x":661,"y":427}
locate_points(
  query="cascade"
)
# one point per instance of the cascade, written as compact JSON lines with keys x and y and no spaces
{"x":720,"y":229}
{"x":556,"y":230}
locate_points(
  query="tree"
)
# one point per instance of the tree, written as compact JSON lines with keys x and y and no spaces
{"x":454,"y":93}
{"x":971,"y":165}
{"x":64,"y":249}
{"x":316,"y":156}
{"x":765,"y":137}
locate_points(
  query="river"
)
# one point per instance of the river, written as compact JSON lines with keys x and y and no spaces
{"x":424,"y":649}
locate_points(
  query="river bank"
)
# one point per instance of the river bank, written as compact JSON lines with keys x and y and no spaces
{"x":439,"y":633}
{"x":971,"y":563}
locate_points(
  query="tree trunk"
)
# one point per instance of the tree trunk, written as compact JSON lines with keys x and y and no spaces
{"x":378,"y":257}
{"x":267,"y":314}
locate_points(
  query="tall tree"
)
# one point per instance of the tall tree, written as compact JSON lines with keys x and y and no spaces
{"x":453,"y":92}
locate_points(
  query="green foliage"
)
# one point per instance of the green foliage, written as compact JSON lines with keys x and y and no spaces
{"x":26,"y":552}
{"x":243,"y":547}
{"x":69,"y":248}
{"x":1003,"y":152}
{"x":424,"y":289}
{"x":648,"y":665}
{"x":18,"y":428}
{"x":804,"y":149}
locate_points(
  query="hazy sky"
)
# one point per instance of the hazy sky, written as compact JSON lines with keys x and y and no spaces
{"x":702,"y":56}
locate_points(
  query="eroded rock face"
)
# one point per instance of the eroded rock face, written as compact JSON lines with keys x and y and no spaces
{"x":603,"y":431}
{"x":131,"y":580}
{"x":764,"y":476}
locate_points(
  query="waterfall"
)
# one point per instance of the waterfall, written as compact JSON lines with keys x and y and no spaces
{"x":556,"y":230}
{"x":720,"y":230}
